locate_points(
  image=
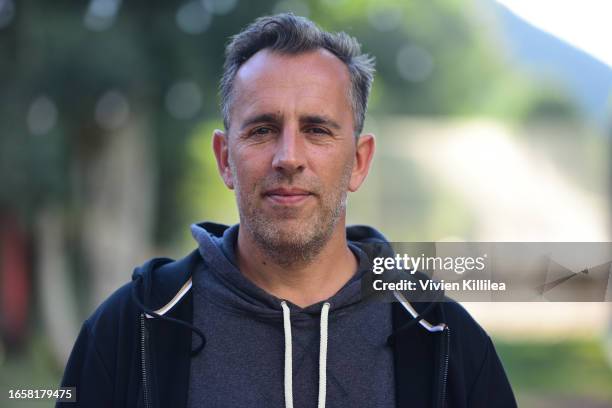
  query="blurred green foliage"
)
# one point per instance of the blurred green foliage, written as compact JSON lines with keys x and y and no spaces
{"x":439,"y":57}
{"x":562,"y":368}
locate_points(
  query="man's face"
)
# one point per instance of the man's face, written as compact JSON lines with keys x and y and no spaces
{"x":290,"y":152}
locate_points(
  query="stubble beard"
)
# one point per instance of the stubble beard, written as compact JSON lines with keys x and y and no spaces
{"x":286,"y":240}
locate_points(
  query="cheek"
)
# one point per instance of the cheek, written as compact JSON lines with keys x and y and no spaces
{"x":248,"y":168}
{"x":336,"y":174}
{"x":343,"y":162}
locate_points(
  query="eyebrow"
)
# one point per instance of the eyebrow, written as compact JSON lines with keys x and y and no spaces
{"x":275,"y":118}
{"x":260,"y":118}
{"x":320,"y":120}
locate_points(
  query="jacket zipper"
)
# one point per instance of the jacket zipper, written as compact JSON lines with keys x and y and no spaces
{"x":143,"y":359}
{"x":444,"y":367}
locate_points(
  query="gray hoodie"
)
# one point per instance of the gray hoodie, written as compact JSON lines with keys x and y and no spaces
{"x":262,"y":351}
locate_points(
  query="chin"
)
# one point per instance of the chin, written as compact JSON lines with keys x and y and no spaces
{"x":292,"y":228}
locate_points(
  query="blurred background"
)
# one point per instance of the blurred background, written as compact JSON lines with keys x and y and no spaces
{"x":493,"y":120}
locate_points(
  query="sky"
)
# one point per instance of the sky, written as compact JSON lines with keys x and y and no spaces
{"x":585,"y":24}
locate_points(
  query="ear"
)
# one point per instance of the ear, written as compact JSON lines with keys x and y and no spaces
{"x":220,"y":148}
{"x":364,"y":153}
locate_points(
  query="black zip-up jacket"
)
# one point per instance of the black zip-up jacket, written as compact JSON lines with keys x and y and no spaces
{"x":126,"y":355}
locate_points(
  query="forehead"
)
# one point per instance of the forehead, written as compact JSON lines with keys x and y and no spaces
{"x":312,"y":80}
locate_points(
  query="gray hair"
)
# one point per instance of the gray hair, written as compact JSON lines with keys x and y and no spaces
{"x":290,"y":34}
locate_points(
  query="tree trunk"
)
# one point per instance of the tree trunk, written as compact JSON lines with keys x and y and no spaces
{"x":118,"y":210}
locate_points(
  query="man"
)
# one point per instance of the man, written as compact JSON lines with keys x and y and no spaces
{"x":270,"y":313}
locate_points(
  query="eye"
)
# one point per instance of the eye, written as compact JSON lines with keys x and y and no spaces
{"x":262,"y":130}
{"x":318,"y":131}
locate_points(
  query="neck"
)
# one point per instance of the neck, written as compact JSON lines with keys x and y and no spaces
{"x":303,"y":283}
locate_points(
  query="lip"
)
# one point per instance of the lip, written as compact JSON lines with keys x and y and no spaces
{"x":287,"y":196}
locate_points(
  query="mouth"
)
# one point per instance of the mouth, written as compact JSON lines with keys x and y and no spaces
{"x":287,"y":196}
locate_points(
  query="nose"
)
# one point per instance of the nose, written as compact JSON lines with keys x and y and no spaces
{"x":289,"y":156}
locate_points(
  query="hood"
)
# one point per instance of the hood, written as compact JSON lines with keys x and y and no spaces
{"x":217,"y":247}
{"x":374,"y":244}
{"x":225,"y":282}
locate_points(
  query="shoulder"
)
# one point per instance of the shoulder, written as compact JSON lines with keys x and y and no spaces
{"x":153,"y":285}
{"x":459,"y":320}
{"x":466,"y":332}
{"x":474,"y":361}
{"x":471,"y":346}
{"x":103,"y":361}
{"x":113,"y":312}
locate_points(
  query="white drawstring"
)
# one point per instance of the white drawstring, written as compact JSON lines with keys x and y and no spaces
{"x":289,"y":357}
{"x":428,"y":326}
{"x":323,"y":356}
